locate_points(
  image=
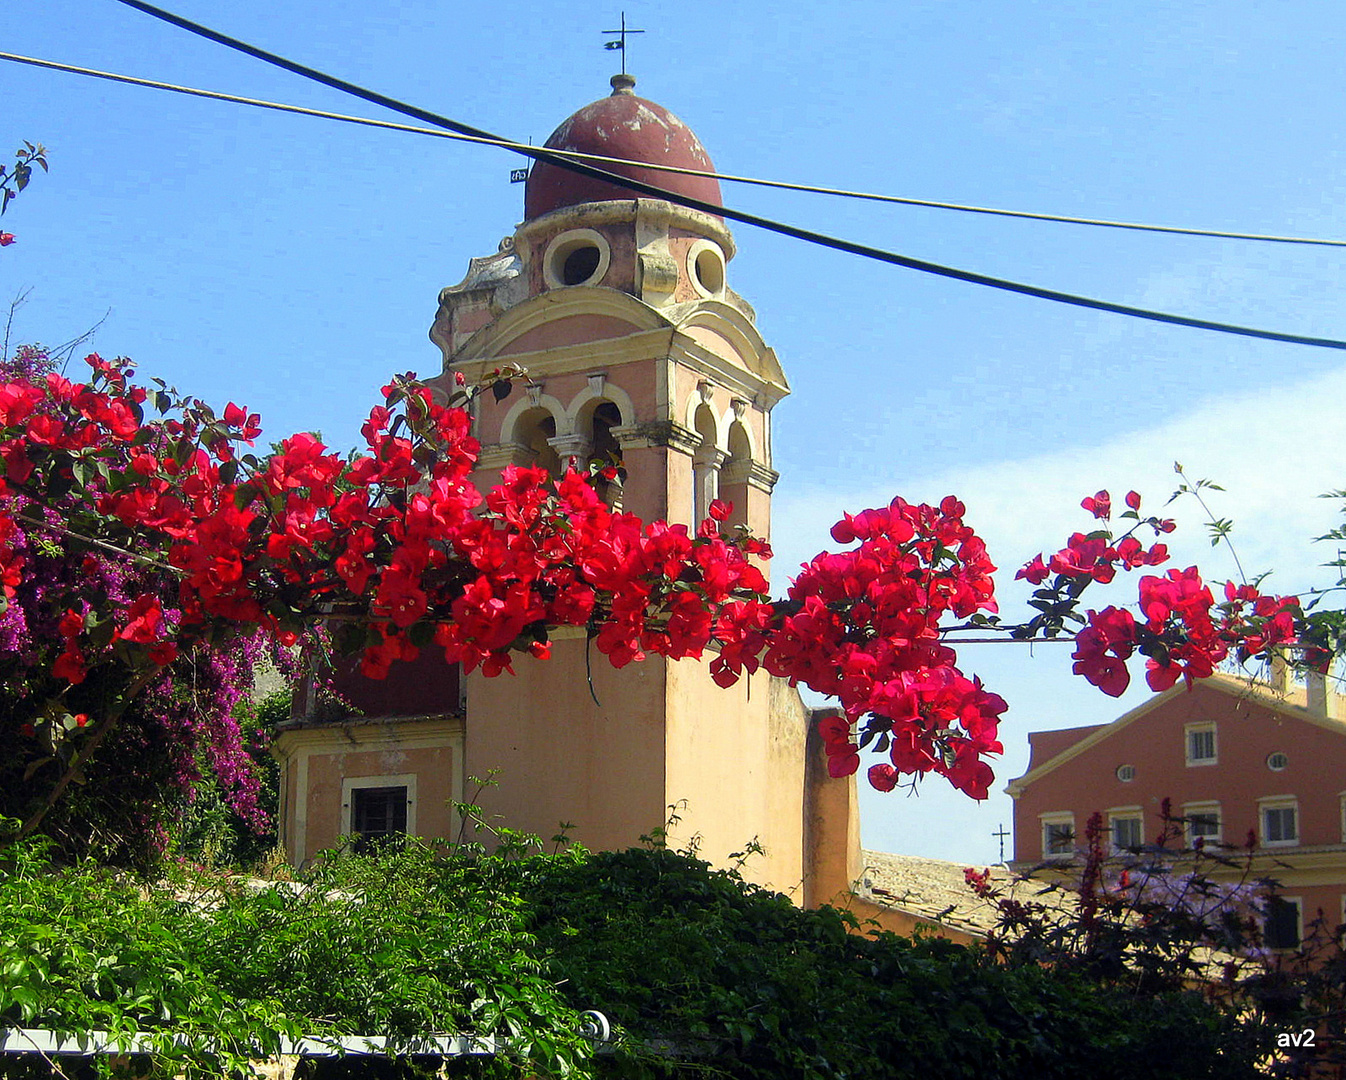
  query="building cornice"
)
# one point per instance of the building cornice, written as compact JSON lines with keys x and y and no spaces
{"x":370,"y":733}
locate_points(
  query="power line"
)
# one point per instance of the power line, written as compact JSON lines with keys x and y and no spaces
{"x":602,"y":159}
{"x":864,"y":250}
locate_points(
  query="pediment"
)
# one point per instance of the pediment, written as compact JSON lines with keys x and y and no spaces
{"x":560,"y":319}
{"x":724,"y":330}
{"x":1240,"y":689}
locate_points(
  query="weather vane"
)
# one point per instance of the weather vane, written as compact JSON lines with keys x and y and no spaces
{"x":620,"y":43}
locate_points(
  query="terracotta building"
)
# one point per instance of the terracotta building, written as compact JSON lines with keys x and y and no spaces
{"x":1234,"y":758}
{"x":636,"y":346}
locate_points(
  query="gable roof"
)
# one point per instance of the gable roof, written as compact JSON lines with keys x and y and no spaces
{"x":1291,"y":703}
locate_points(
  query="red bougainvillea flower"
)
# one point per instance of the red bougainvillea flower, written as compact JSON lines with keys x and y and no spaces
{"x":883,"y":777}
{"x":1035,"y":572}
{"x":142,"y":620}
{"x":1102,"y":648}
{"x":70,"y":667}
{"x":6,"y":239}
{"x":1100,"y":505}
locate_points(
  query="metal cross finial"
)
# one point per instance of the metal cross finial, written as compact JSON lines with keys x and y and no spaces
{"x":1002,"y":834}
{"x":620,"y":43}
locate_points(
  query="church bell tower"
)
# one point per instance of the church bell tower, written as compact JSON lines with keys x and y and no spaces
{"x":637,"y":351}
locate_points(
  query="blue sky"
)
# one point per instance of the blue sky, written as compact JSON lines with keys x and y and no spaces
{"x":290,"y":264}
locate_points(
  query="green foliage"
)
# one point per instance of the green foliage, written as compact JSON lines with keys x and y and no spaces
{"x":211,"y":833}
{"x":85,"y":949}
{"x":699,"y":972}
{"x":736,"y":980}
{"x":15,"y":180}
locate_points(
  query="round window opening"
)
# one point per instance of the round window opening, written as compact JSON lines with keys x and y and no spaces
{"x":1277,"y":761}
{"x":709,"y":270}
{"x":1126,"y":773}
{"x":581,"y":264}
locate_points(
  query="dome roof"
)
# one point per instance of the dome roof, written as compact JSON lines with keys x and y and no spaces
{"x":620,"y":126}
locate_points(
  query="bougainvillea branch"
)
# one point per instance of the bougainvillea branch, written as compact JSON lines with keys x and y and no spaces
{"x":397,"y":549}
{"x":1181,"y":630}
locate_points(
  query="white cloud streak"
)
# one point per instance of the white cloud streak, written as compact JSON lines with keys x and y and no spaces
{"x":1274,"y":452}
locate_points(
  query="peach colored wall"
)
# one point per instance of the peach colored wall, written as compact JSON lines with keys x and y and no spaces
{"x":434,"y":769}
{"x":832,"y":861}
{"x":561,"y":757}
{"x":614,"y":769}
{"x":901,"y":922}
{"x":1246,"y":733}
{"x":739,"y":770}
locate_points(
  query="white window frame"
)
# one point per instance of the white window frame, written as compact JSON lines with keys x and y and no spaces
{"x":351,"y":783}
{"x":1298,"y":902}
{"x":1208,"y":807}
{"x":1062,"y":817}
{"x":1125,"y":813}
{"x":1201,"y":728}
{"x":1278,"y":802}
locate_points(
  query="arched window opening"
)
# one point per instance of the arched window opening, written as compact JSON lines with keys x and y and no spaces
{"x":705,"y":465}
{"x":734,"y":474}
{"x":606,"y":455}
{"x":534,"y":430}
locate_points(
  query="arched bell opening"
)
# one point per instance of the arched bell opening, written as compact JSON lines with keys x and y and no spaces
{"x":734,"y":474}
{"x":533,"y":431}
{"x":706,"y":462}
{"x":605,"y":454}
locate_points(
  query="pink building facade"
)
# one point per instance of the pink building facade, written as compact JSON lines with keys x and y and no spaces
{"x":1239,"y":763}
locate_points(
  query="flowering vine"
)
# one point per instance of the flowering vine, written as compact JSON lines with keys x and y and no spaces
{"x":1181,"y":630}
{"x":397,"y":548}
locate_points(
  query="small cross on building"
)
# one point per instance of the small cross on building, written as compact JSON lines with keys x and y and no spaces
{"x":1001,"y":832}
{"x":620,"y":43}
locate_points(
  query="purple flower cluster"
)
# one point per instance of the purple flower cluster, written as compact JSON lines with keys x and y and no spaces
{"x":149,"y":766}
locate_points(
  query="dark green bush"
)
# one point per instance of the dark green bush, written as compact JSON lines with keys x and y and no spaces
{"x":698,"y":971}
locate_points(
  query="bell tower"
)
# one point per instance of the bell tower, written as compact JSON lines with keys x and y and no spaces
{"x":641,"y":355}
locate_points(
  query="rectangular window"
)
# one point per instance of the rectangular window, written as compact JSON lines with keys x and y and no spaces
{"x":1058,"y":836}
{"x":1280,"y":824}
{"x":1126,"y":833}
{"x":1281,"y":922}
{"x":1201,"y":744}
{"x":378,"y":813}
{"x":1202,"y":821}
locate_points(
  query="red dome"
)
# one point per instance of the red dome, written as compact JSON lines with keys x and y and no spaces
{"x":620,"y":126}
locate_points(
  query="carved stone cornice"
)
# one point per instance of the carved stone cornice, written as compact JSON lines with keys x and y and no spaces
{"x":658,"y":433}
{"x":498,"y":455}
{"x":752,"y":473}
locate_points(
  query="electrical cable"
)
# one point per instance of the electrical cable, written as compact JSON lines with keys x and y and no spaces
{"x":603,"y":159}
{"x":864,"y":250}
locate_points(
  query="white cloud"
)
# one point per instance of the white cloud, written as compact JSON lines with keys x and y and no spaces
{"x":1274,"y":452}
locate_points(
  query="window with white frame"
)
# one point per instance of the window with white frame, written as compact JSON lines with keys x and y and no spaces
{"x":1283,"y":922}
{"x":1058,"y":836}
{"x":1280,"y":821}
{"x":1127,"y":827}
{"x":378,"y":809}
{"x":1201,"y":747}
{"x":1203,"y":822}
